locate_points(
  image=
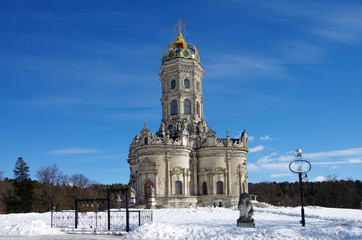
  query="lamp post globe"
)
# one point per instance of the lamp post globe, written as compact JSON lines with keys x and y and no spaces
{"x":298,"y":153}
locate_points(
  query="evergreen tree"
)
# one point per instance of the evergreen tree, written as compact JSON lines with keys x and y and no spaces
{"x":23,"y":187}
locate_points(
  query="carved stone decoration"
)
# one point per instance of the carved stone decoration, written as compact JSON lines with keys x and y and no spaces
{"x":147,"y":166}
{"x":161,"y":180}
{"x":132,"y":198}
{"x":211,"y":133}
{"x":246,"y":212}
{"x":152,"y":199}
{"x":132,"y":193}
{"x":153,"y":194}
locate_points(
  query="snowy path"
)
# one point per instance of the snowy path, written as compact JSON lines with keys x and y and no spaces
{"x":206,"y":223}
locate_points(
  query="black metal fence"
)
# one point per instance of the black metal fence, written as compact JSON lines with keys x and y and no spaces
{"x":98,"y":221}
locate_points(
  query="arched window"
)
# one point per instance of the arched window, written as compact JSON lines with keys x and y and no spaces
{"x":189,"y":128}
{"x":173,"y":107}
{"x":204,"y":188}
{"x":186,"y":83}
{"x":220,"y":187}
{"x":173,"y":84}
{"x":187,"y":106}
{"x":170,"y":128}
{"x":146,"y":140}
{"x":198,"y":108}
{"x":178,"y":187}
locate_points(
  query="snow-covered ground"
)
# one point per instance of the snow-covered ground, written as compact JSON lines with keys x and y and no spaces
{"x":207,"y":223}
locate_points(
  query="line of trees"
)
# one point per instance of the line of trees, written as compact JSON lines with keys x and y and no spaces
{"x":332,"y":193}
{"x":51,"y":189}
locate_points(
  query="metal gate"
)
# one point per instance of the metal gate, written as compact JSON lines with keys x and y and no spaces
{"x":98,"y":221}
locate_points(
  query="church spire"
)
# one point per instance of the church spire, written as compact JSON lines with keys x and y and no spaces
{"x":181,"y":77}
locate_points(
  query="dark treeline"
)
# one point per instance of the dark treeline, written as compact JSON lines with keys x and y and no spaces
{"x":51,"y":189}
{"x":333,"y":193}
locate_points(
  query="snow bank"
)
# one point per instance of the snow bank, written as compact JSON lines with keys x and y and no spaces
{"x":207,"y":223}
{"x":30,"y":224}
{"x":271,"y":223}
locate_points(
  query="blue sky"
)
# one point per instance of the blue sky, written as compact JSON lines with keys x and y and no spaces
{"x":78,"y":79}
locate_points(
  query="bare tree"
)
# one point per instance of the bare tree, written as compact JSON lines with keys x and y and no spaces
{"x":51,"y":175}
{"x":80,"y":185}
{"x":79,"y":180}
{"x":50,"y":178}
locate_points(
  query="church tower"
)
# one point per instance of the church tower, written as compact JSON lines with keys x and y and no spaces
{"x":184,"y":163}
{"x":181,"y":78}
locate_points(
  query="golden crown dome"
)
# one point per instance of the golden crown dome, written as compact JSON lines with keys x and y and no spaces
{"x":179,"y":48}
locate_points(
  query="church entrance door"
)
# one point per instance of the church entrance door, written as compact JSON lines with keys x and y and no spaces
{"x":148,"y":189}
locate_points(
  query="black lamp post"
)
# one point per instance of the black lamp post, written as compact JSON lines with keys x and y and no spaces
{"x":301,"y":167}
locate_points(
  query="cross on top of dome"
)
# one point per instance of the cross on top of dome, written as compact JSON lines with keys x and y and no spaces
{"x":179,"y":25}
{"x":179,"y":48}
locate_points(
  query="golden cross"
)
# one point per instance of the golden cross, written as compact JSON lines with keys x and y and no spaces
{"x":179,"y":25}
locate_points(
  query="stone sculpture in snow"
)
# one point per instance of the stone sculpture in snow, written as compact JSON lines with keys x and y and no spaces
{"x":132,"y":199}
{"x":246,"y":211}
{"x":152,"y":198}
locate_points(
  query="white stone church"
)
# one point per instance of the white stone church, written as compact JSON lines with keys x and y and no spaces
{"x":185,"y":162}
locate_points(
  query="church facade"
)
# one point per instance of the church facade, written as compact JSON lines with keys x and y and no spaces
{"x":185,"y":162}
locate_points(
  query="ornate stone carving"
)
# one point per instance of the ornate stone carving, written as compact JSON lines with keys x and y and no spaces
{"x":132,"y":192}
{"x":153,"y":192}
{"x":246,"y":211}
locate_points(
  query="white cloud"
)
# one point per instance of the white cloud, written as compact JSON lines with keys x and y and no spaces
{"x":275,"y":166}
{"x":266,"y":138}
{"x":252,"y":166}
{"x":330,"y":160}
{"x":73,"y":151}
{"x":343,"y":24}
{"x":234,"y":65}
{"x":351,"y":161}
{"x":337,"y":153}
{"x":280,"y":175}
{"x":284,"y":158}
{"x":302,"y":53}
{"x":355,"y":160}
{"x":251,"y":138}
{"x":264,"y":159}
{"x":257,"y":148}
{"x":319,"y":179}
{"x":337,"y":22}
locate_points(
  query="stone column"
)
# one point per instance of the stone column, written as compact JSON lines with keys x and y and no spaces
{"x":195,"y":178}
{"x":228,"y":185}
{"x":211,"y":184}
{"x":184,"y":180}
{"x":167,"y":180}
{"x":140,"y":187}
{"x":240,"y":182}
{"x":169,"y":183}
{"x":188,"y":182}
{"x":226,"y":182}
